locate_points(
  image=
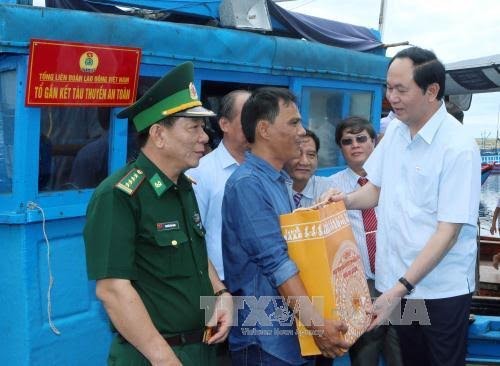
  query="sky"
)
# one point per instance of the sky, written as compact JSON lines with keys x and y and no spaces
{"x":454,"y":29}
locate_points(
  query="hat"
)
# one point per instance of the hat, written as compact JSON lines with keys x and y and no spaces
{"x":172,"y":95}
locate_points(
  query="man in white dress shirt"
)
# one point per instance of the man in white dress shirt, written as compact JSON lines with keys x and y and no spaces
{"x":306,"y":187}
{"x":214,"y":170}
{"x":425,"y":177}
{"x":356,"y":139}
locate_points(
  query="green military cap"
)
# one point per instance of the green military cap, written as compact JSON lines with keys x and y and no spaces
{"x":173,"y":95}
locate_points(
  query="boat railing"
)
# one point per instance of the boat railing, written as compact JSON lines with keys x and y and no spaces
{"x":490,"y":158}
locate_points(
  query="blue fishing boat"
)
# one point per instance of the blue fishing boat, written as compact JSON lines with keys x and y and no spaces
{"x":49,"y":314}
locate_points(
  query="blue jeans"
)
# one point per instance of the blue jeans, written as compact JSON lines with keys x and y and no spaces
{"x":253,"y":355}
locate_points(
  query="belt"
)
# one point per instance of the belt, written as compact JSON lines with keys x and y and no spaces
{"x":180,"y":339}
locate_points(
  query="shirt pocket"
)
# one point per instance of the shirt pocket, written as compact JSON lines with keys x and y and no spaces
{"x":423,"y":191}
{"x":174,"y":253}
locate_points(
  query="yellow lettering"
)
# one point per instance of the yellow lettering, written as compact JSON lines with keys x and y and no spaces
{"x":123,"y":93}
{"x":64,"y":93}
{"x":75,"y":78}
{"x":61,"y":77}
{"x":101,"y":79}
{"x":50,"y":92}
{"x":46,"y":77}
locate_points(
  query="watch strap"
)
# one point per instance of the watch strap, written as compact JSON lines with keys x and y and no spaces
{"x":409,"y":287}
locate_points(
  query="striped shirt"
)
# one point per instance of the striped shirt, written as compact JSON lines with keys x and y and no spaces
{"x":347,"y":181}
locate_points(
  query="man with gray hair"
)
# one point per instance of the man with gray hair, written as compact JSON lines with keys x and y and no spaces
{"x":214,"y":170}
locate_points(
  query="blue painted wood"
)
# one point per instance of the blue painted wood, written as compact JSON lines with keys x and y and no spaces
{"x":219,"y":55}
{"x":206,"y":8}
{"x":484,"y":340}
{"x":210,"y":48}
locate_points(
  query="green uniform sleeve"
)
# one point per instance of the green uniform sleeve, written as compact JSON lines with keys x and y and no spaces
{"x":109,"y":236}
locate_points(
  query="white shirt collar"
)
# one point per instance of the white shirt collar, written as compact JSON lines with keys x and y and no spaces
{"x":224,"y":156}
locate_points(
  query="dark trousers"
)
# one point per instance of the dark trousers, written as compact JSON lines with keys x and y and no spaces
{"x":444,"y":341}
{"x":253,"y":355}
{"x":381,"y":341}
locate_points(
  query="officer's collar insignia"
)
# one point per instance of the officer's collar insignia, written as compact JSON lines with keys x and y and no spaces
{"x":157,"y":184}
{"x":167,"y":226}
{"x":131,"y":181}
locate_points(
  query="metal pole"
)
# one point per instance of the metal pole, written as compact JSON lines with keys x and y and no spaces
{"x":381,"y":17}
{"x":498,"y":122}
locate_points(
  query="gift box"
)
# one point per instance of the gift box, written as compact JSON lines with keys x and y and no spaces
{"x":321,"y":243}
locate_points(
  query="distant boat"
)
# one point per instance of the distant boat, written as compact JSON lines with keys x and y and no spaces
{"x":485,"y":171}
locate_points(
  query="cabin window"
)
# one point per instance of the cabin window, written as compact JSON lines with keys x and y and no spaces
{"x":326,"y":108}
{"x":7,"y":108}
{"x":325,"y":113}
{"x":73,"y":147}
{"x":212,"y":93}
{"x":361,"y":104}
{"x":145,"y":83}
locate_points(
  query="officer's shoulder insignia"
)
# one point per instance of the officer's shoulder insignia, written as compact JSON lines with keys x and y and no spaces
{"x":131,"y":181}
{"x":190,"y":179}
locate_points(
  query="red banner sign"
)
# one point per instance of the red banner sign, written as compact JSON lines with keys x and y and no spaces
{"x":78,"y":74}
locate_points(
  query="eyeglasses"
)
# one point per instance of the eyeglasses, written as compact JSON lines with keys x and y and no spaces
{"x":359,"y":139}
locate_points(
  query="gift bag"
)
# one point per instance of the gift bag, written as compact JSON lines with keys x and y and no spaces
{"x":322,"y":245}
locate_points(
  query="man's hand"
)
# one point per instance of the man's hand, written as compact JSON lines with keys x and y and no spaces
{"x":332,"y":195}
{"x":384,"y":306}
{"x":330,"y":338}
{"x":493,"y":228}
{"x":222,"y":318}
{"x":496,"y":260}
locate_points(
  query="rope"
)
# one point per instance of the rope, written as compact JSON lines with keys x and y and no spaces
{"x":33,"y":205}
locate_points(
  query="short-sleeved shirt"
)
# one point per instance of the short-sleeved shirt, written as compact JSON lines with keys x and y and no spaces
{"x":347,"y":181}
{"x":434,"y":177}
{"x":211,"y":176}
{"x":256,"y":260}
{"x":153,"y":237}
{"x":313,"y":190}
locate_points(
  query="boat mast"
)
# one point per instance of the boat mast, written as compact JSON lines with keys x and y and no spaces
{"x":381,"y":17}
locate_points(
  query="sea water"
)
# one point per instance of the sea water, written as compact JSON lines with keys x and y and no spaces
{"x":490,"y":192}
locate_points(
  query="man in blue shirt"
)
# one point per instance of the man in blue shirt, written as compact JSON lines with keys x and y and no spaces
{"x":256,"y":263}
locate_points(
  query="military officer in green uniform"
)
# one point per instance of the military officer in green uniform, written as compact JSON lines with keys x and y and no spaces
{"x":145,"y":241}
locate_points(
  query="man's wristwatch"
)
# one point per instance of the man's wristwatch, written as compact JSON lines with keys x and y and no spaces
{"x":409,"y":287}
{"x":220,"y":292}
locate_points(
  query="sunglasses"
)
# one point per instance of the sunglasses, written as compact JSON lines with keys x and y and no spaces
{"x":359,"y":139}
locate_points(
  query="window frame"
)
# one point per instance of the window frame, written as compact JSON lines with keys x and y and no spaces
{"x":300,"y":87}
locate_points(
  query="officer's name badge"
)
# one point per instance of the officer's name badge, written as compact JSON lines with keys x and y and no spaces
{"x":131,"y":181}
{"x":166,"y":226}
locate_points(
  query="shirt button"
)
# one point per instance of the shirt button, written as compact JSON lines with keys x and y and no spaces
{"x":201,"y":273}
{"x":174,"y":242}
